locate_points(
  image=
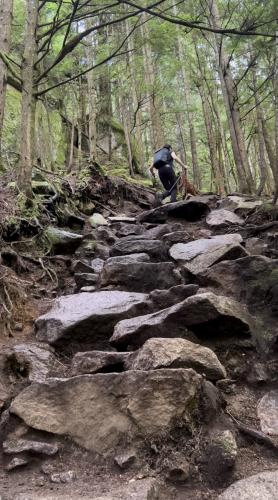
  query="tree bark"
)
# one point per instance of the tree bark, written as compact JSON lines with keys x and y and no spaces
{"x":6,"y":9}
{"x":246,"y":182}
{"x":276,"y":119}
{"x":28,"y":103}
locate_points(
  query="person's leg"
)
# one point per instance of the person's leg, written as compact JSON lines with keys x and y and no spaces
{"x":171,"y":181}
{"x":163,"y":173}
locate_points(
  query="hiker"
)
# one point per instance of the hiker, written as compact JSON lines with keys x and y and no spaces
{"x":163,"y":162}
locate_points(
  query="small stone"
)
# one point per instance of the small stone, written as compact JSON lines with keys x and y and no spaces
{"x":48,"y":469}
{"x":63,"y":477}
{"x":178,"y":469}
{"x":88,"y":289}
{"x":268,"y":413}
{"x":97,"y":265}
{"x":85,"y":279}
{"x":16,"y":462}
{"x":98,"y":220}
{"x":125,"y":460}
{"x":18,"y":327}
{"x":221,"y":453}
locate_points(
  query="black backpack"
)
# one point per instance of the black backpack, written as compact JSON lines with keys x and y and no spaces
{"x":162,"y":157}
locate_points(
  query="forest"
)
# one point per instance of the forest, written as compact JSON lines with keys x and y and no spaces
{"x":138,"y":328}
{"x":112,"y":82}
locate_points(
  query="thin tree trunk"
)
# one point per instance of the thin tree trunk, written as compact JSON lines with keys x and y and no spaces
{"x":260,"y":136}
{"x":28,"y":103}
{"x":6,"y":9}
{"x":246,"y":183}
{"x":154,"y":103}
{"x":276,"y":119}
{"x":70,"y":162}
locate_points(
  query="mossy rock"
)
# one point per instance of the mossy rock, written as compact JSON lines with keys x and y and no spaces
{"x":61,"y":241}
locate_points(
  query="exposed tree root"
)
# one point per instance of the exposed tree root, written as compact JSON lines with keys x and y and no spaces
{"x":254,"y":434}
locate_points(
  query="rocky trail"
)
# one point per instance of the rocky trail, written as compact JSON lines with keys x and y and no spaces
{"x":150,"y":372}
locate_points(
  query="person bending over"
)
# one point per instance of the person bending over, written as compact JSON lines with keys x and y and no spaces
{"x":163,"y":163}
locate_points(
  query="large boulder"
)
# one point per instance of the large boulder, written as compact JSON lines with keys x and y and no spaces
{"x":102,"y":411}
{"x":176,"y":353}
{"x":166,"y":298}
{"x":262,"y":486}
{"x":61,"y":241}
{"x":253,"y":279}
{"x":241,"y":205}
{"x":205,"y":315}
{"x":221,"y":218}
{"x":191,"y":210}
{"x":154,"y":248}
{"x":140,"y":276}
{"x":201,"y":254}
{"x":90,"y":315}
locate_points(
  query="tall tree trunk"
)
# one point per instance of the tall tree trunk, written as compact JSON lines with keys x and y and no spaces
{"x":28,"y":103}
{"x":190,"y":114}
{"x":6,"y":9}
{"x":276,"y":119}
{"x":154,"y":101}
{"x":92,"y":102}
{"x":246,"y":183}
{"x":260,"y":136}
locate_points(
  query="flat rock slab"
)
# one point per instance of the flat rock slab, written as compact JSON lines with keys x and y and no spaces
{"x":191,"y":210}
{"x":221,"y":218}
{"x":121,"y":218}
{"x":204,"y":314}
{"x":128,"y":229}
{"x":159,"y":353}
{"x":102,"y":411}
{"x":199,"y":255}
{"x":262,"y":486}
{"x":129,"y":258}
{"x":241,"y":205}
{"x":140,"y":276}
{"x":97,"y":361}
{"x":268,"y":413}
{"x":154,"y":248}
{"x":88,"y":314}
{"x":21,"y":445}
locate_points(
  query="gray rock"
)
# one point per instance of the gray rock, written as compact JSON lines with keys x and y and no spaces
{"x":90,"y":289}
{"x":126,"y":459}
{"x":81,"y":267}
{"x":221,"y":453}
{"x":129,"y":229}
{"x":106,"y":235}
{"x":129,"y":259}
{"x":62,"y":241}
{"x":30,"y":362}
{"x":177,"y":237}
{"x":16,"y":462}
{"x":155,"y":248}
{"x":255,"y":246}
{"x":21,"y":445}
{"x":85,"y":279}
{"x":191,"y":210}
{"x":112,"y":408}
{"x":221,"y":218}
{"x":262,"y":486}
{"x":97,"y":220}
{"x":176,"y":353}
{"x":86,"y":313}
{"x":204,"y":314}
{"x":97,"y":265}
{"x":162,"y":299}
{"x":122,"y":218}
{"x":63,"y":477}
{"x":241,"y":205}
{"x":212,"y":401}
{"x":177,"y":468}
{"x":199,"y":255}
{"x":268,"y":413}
{"x":154,"y":233}
{"x":140,"y":276}
{"x":96,"y":361}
